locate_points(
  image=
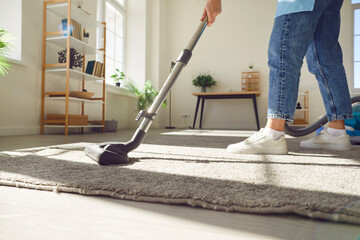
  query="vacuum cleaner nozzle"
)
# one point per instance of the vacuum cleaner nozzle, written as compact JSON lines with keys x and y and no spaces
{"x":114,"y":152}
{"x":108,"y":153}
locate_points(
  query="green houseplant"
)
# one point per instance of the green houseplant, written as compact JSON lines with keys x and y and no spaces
{"x":204,"y":80}
{"x":118,"y":76}
{"x":145,"y":96}
{"x":4,"y":48}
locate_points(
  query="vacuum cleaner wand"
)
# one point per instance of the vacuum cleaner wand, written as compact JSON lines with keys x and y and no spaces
{"x":116,"y":153}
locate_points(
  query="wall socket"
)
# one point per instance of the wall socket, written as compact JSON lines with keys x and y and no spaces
{"x":185,"y":116}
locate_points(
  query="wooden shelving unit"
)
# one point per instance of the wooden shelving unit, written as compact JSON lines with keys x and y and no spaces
{"x":250,"y":81}
{"x":65,"y":10}
{"x":303,"y":99}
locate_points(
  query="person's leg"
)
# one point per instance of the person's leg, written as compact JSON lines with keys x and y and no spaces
{"x":337,"y":124}
{"x":325,"y":60}
{"x":276,"y":124}
{"x":289,"y":41}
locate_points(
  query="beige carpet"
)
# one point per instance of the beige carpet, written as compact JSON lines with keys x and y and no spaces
{"x":192,"y":168}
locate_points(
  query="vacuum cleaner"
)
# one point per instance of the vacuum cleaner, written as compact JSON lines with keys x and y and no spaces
{"x":116,"y":152}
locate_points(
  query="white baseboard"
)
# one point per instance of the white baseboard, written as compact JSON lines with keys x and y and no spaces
{"x":22,"y":131}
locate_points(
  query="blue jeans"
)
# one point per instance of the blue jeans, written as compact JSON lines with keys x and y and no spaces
{"x":314,"y":34}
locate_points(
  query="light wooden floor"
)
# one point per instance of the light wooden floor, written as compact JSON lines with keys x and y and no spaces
{"x":31,"y":214}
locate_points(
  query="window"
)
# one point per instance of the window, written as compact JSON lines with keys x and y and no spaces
{"x":357,"y":48}
{"x":115,"y":24}
{"x":356,"y":44}
{"x":11,"y":20}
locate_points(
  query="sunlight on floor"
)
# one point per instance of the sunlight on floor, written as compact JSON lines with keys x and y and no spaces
{"x":222,"y":133}
{"x":214,"y":133}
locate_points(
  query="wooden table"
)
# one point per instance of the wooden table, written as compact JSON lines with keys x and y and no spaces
{"x":224,"y":95}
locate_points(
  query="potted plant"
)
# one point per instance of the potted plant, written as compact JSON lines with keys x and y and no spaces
{"x":4,"y":48}
{"x":76,"y":59}
{"x":118,"y":76}
{"x":86,"y":37}
{"x":204,"y":81}
{"x":145,"y":96}
{"x":251,"y":67}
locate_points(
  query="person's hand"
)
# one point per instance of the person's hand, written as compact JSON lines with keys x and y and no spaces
{"x":211,"y":10}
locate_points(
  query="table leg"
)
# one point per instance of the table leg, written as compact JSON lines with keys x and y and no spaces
{"x":196,"y":111}
{"x":256,"y":111}
{"x":202,"y":111}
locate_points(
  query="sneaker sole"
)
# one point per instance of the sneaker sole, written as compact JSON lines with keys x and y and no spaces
{"x":261,"y":151}
{"x":327,"y":147}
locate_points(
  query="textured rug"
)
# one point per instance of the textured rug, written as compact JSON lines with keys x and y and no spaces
{"x":192,"y":168}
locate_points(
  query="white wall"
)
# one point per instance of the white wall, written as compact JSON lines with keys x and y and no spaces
{"x":21,"y":89}
{"x":237,"y":39}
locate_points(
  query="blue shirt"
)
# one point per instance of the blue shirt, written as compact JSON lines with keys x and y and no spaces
{"x":294,"y":6}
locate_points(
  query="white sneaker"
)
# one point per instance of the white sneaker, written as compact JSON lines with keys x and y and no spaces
{"x":325,"y":141}
{"x":259,"y":143}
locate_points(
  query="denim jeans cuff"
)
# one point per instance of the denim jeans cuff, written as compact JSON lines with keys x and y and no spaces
{"x":288,"y":118}
{"x":341,"y":117}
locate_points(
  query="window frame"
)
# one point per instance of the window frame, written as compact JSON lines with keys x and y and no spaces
{"x":354,"y":91}
{"x":15,"y":54}
{"x":122,"y":9}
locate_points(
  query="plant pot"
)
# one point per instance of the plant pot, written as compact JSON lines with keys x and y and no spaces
{"x":110,"y":126}
{"x":118,"y":84}
{"x":203,"y":89}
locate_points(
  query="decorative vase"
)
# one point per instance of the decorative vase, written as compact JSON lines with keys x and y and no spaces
{"x":117,"y":84}
{"x":86,"y":39}
{"x":251,"y":70}
{"x":203,"y":89}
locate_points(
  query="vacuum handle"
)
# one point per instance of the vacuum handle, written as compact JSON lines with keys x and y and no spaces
{"x":180,"y":63}
{"x":197,"y":34}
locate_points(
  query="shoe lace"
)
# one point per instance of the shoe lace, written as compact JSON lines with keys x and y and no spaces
{"x":256,"y":136}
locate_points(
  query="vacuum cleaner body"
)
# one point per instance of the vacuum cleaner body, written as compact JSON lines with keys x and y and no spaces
{"x":116,"y":153}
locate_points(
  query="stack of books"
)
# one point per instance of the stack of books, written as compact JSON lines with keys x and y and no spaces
{"x":75,"y":29}
{"x":95,"y":68}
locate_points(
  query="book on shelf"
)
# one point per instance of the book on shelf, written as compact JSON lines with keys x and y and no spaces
{"x":90,"y":67}
{"x":95,"y":68}
{"x":97,"y":64}
{"x":75,"y":29}
{"x":103,"y":71}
